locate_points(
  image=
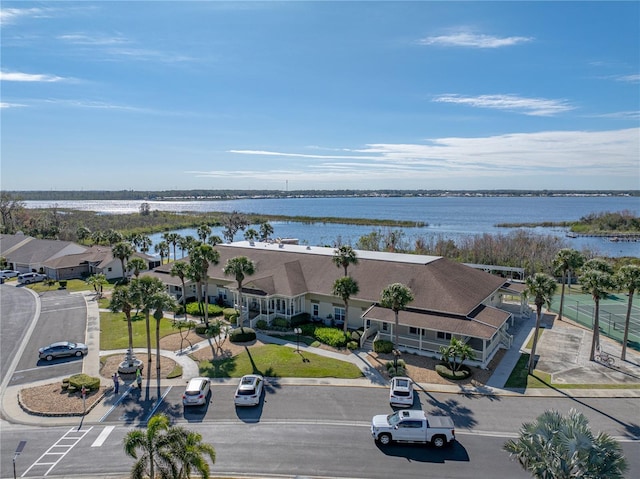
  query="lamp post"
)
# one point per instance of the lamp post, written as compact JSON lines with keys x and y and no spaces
{"x":298,"y":332}
{"x":19,"y":449}
{"x":396,"y":353}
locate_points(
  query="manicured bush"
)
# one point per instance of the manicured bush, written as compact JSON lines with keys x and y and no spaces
{"x":308,"y":329}
{"x":280,"y":324}
{"x":382,"y":346}
{"x":299,"y":319}
{"x":401,"y":363}
{"x":353,"y":345}
{"x":193,"y":309}
{"x":201,"y":328}
{"x":356,"y":335}
{"x":331,"y":336}
{"x":399,"y":371}
{"x":63,"y":284}
{"x":78,"y":380}
{"x":230,"y":314}
{"x":261,"y":324}
{"x":444,"y":371}
{"x":242,"y":335}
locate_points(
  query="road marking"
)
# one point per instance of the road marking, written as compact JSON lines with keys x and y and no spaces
{"x":61,"y":448}
{"x":115,"y":404}
{"x":103,"y":436}
{"x":153,"y":411}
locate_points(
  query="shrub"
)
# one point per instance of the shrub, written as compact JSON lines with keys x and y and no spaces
{"x":299,"y":319}
{"x":261,"y":324}
{"x":193,"y":309}
{"x":353,"y":345}
{"x":308,"y":329}
{"x":331,"y":336}
{"x":78,"y":380}
{"x":230,"y":314}
{"x":65,"y":384}
{"x":280,"y":324}
{"x":382,"y":346}
{"x":399,"y":371}
{"x":62,"y":283}
{"x":401,"y":363}
{"x":356,"y":335}
{"x":444,"y":371}
{"x":201,"y":328}
{"x":242,"y":335}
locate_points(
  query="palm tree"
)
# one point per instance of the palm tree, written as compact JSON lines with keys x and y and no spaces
{"x":628,"y":279}
{"x":251,"y":235}
{"x":156,"y":449}
{"x":396,"y":296}
{"x":83,"y":233}
{"x":172,"y":240}
{"x":97,"y":237}
{"x":563,"y":447}
{"x":203,"y":231}
{"x":123,"y":251}
{"x":144,"y":290}
{"x":162,"y":249}
{"x":180,"y":269}
{"x":595,"y":282}
{"x":201,"y":257}
{"x":97,"y":281}
{"x":160,"y":302}
{"x":566,"y":260}
{"x":122,"y":300}
{"x":344,"y":256}
{"x":144,"y":243}
{"x":345,"y":287}
{"x":136,"y":264}
{"x":214,"y":240}
{"x":239,"y":267}
{"x":190,"y":452}
{"x":266,"y":230}
{"x":541,"y":287}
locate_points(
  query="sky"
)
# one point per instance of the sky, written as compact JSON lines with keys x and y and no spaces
{"x":303,"y":95}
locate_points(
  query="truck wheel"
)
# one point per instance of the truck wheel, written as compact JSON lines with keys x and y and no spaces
{"x":384,"y":439}
{"x":439,"y":441}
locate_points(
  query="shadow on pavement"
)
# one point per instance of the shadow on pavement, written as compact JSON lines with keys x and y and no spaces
{"x":422,"y":453}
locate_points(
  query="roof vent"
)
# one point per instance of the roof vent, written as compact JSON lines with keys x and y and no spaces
{"x":252,"y":243}
{"x":308,"y":247}
{"x":280,"y":245}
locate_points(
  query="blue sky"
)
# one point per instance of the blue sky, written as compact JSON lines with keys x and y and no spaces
{"x":320,"y":95}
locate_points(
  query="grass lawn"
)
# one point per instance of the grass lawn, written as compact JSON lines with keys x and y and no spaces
{"x":273,"y":360}
{"x":114,"y":333}
{"x":529,"y":344}
{"x":73,"y":285}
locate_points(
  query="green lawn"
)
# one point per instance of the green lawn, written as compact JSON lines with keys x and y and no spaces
{"x":73,"y":285}
{"x":273,"y":360}
{"x":114,"y":335}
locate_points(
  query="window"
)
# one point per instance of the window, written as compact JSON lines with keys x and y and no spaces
{"x":413,"y":330}
{"x":316,"y":309}
{"x":385,"y":326}
{"x":442,"y":335}
{"x":338,"y":314}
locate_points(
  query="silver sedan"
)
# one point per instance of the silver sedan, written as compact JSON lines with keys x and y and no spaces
{"x":63,"y":349}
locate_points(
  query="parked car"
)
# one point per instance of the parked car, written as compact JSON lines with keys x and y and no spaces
{"x":196,"y":392}
{"x":27,"y":278}
{"x":249,"y":390}
{"x":401,"y":391}
{"x":413,"y":426}
{"x":8,"y":273}
{"x":62,"y":349}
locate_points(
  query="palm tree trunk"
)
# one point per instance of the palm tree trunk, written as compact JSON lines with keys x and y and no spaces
{"x":627,"y":320}
{"x":346,"y":315}
{"x":130,"y":331}
{"x":532,"y":357}
{"x":206,"y":304}
{"x":397,"y":341}
{"x":158,"y":349}
{"x":240,"y":316}
{"x":146,"y":316}
{"x":595,"y":341}
{"x":562,"y":297}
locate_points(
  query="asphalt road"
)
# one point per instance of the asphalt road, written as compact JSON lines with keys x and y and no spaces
{"x":63,"y":317}
{"x":17,"y":310}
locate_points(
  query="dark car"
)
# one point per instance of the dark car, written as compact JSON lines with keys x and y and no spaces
{"x":63,"y":349}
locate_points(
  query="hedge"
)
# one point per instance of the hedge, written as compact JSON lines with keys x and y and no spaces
{"x":193,"y":309}
{"x":78,"y":380}
{"x":331,"y":336}
{"x":242,"y":335}
{"x":382,"y":346}
{"x":463,"y":373}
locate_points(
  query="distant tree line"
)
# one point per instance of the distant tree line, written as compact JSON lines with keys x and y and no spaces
{"x":201,"y":194}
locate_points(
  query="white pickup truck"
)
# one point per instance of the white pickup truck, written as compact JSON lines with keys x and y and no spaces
{"x":413,"y":426}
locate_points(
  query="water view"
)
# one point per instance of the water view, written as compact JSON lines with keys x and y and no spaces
{"x":446,"y":217}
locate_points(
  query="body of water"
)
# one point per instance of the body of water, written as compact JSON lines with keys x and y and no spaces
{"x":446,"y":217}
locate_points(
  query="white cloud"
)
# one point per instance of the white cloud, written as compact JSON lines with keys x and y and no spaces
{"x":5,"y":104}
{"x":508,"y":102}
{"x":29,"y":77}
{"x":85,"y":39}
{"x":552,"y":154}
{"x":629,"y":78}
{"x":473,"y":40}
{"x":11,"y":15}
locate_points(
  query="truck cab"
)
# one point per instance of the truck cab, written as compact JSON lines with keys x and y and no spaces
{"x":413,"y":426}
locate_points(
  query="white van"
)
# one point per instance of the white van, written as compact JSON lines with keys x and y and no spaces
{"x":27,"y":278}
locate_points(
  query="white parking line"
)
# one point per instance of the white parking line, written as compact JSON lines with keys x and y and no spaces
{"x":103,"y":436}
{"x":61,"y":448}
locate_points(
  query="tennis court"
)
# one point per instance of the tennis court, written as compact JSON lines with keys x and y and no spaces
{"x":613,"y":311}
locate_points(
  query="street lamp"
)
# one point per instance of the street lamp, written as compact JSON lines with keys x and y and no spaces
{"x":19,"y":449}
{"x":396,"y":353}
{"x":298,"y":332}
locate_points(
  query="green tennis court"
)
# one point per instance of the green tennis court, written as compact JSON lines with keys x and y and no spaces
{"x":613,"y":311}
